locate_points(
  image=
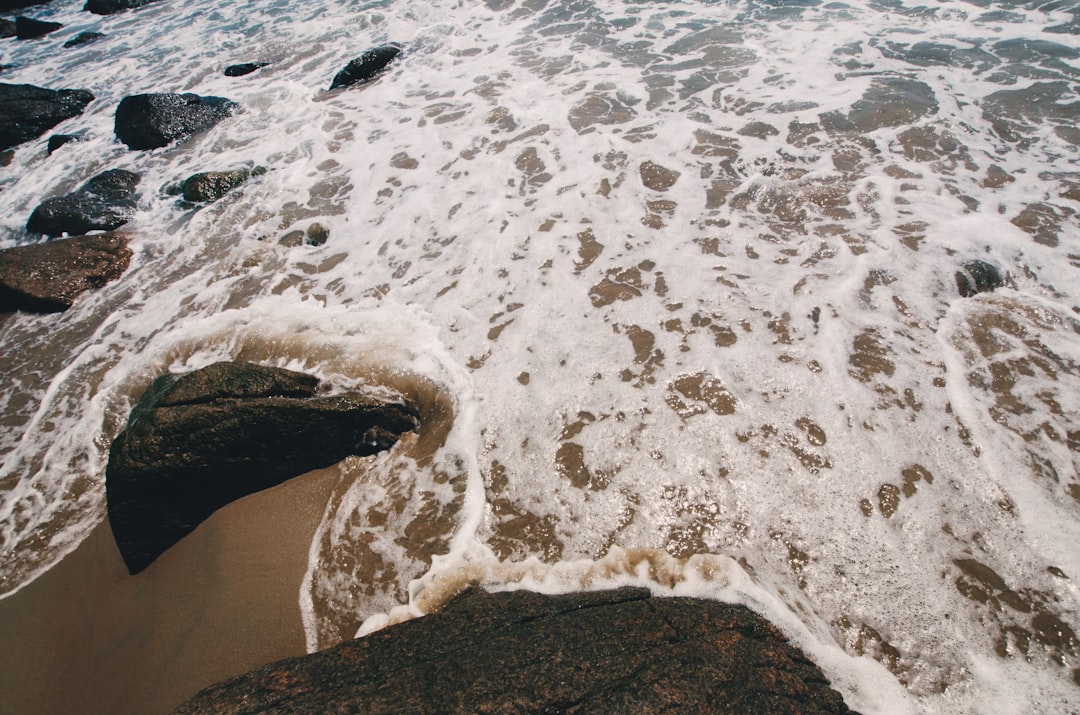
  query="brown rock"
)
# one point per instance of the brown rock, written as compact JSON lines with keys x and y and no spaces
{"x":47,"y":277}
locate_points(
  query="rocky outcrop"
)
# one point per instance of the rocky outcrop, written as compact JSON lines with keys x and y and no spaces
{"x":27,"y":112}
{"x":48,"y":277}
{"x":105,"y":202}
{"x":150,"y":121}
{"x":366,"y":67}
{"x":212,"y":185}
{"x":109,"y":7}
{"x":978,"y":277}
{"x":199,"y":441}
{"x":245,"y":68}
{"x":27,"y":28}
{"x":620,"y":651}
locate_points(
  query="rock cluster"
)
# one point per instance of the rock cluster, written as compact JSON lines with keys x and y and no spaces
{"x":27,"y":112}
{"x":620,"y":651}
{"x":198,"y":441}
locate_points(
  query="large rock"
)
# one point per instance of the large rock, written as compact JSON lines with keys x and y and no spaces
{"x":27,"y":28}
{"x":366,"y":67}
{"x":520,"y":652}
{"x":47,"y":277}
{"x":105,"y":202}
{"x":198,"y":441}
{"x":149,"y":121}
{"x":9,"y":5}
{"x":108,"y":7}
{"x":27,"y":112}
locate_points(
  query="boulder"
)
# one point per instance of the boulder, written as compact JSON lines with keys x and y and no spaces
{"x":149,"y":121}
{"x":198,"y":441}
{"x":243,"y":69}
{"x":27,"y":28}
{"x":621,"y":651}
{"x":27,"y":112}
{"x":83,"y":38}
{"x":212,"y":185}
{"x":109,"y":7}
{"x":9,"y":5}
{"x":47,"y":277}
{"x":366,"y":67}
{"x":105,"y":202}
{"x":978,"y":277}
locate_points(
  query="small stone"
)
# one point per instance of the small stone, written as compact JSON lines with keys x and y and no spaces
{"x":366,"y":67}
{"x":317,"y":234}
{"x":243,"y":69}
{"x":83,"y":38}
{"x":978,"y":277}
{"x":58,"y":140}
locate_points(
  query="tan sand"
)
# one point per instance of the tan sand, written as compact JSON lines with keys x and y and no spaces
{"x":88,"y":638}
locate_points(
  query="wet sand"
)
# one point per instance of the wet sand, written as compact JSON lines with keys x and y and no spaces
{"x":87,"y":637}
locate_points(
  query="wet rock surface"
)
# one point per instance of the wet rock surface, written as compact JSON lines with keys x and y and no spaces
{"x":109,"y":7}
{"x":616,"y":651}
{"x":978,"y":277}
{"x":83,"y":38}
{"x":27,"y":28}
{"x":27,"y":112}
{"x":150,"y":121}
{"x":105,"y":202}
{"x":48,"y":277}
{"x":244,"y":68}
{"x":366,"y":67}
{"x":212,"y":185}
{"x":198,"y":441}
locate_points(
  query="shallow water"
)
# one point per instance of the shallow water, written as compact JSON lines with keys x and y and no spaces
{"x":676,"y":282}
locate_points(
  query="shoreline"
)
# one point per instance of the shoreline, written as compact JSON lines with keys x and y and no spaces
{"x":222,"y":601}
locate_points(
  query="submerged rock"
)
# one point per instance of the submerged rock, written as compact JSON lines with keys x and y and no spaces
{"x":212,"y":185}
{"x":58,"y":140}
{"x":9,"y":5}
{"x":27,"y":112}
{"x":27,"y":28}
{"x":621,"y":651}
{"x":316,"y":235}
{"x":7,"y":29}
{"x":978,"y":277}
{"x":150,"y":121}
{"x":105,"y":202}
{"x":366,"y":67}
{"x":47,"y":277}
{"x":199,"y":441}
{"x":242,"y":69}
{"x":83,"y":38}
{"x":109,"y":7}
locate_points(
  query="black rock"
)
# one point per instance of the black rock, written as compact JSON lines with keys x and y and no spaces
{"x":198,"y":441}
{"x":366,"y":67}
{"x":621,"y":651}
{"x":7,"y":29}
{"x":105,"y":202}
{"x":27,"y":112}
{"x":212,"y":185}
{"x":58,"y":140}
{"x":82,"y":38}
{"x":978,"y":277}
{"x":149,"y":121}
{"x":27,"y":28}
{"x":47,"y":277}
{"x":243,"y":69}
{"x":108,"y":7}
{"x":9,"y":5}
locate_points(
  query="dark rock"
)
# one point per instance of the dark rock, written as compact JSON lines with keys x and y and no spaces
{"x":47,"y":277}
{"x":27,"y":112}
{"x":58,"y":140}
{"x":620,"y":651}
{"x":84,"y":37}
{"x":316,"y":235}
{"x":366,"y":67}
{"x":6,"y":156}
{"x":978,"y":277}
{"x":243,"y":69}
{"x":105,"y":202}
{"x":198,"y":441}
{"x":27,"y":28}
{"x":149,"y":121}
{"x":109,"y":7}
{"x":212,"y":185}
{"x":7,"y":28}
{"x":9,"y":5}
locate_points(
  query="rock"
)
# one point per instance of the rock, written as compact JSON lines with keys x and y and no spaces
{"x":316,"y":235}
{"x":109,"y":7}
{"x":83,"y":38}
{"x":48,"y":277}
{"x":212,"y":185}
{"x":7,"y":28}
{"x":105,"y":202}
{"x":978,"y":277}
{"x":58,"y":140}
{"x":199,"y":441}
{"x":6,"y":156}
{"x":9,"y":5}
{"x":365,"y":67}
{"x":27,"y":112}
{"x":243,"y":69}
{"x":27,"y":28}
{"x":149,"y":121}
{"x":620,"y":651}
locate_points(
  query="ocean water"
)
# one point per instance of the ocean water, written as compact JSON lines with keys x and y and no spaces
{"x":673,"y":284}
